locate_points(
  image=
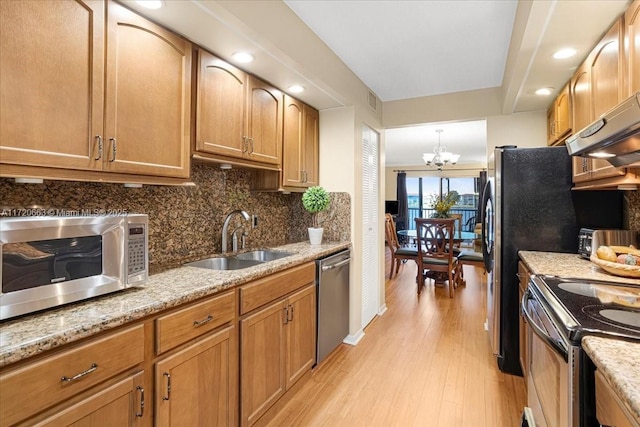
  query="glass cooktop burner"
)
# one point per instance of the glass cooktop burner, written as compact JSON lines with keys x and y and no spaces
{"x":595,"y":306}
{"x":628,"y":319}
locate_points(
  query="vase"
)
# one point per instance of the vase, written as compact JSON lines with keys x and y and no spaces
{"x":315,"y":235}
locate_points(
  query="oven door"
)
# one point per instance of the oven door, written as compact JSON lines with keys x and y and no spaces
{"x":549,"y":378}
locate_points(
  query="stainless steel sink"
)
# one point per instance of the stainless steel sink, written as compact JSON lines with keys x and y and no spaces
{"x":224,"y":263}
{"x":263,"y":255}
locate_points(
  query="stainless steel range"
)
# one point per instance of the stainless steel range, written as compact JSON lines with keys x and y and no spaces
{"x":559,"y":312}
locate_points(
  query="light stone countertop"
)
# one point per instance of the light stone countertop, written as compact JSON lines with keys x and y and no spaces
{"x":569,"y":265}
{"x":33,"y":334}
{"x":619,"y":362}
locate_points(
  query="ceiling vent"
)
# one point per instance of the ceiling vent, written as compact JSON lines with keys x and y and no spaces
{"x":373,"y":101}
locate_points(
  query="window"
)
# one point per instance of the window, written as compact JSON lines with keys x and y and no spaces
{"x":420,"y":192}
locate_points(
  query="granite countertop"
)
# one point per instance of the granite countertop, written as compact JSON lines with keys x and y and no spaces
{"x":569,"y":265}
{"x":31,"y":335}
{"x":619,"y":362}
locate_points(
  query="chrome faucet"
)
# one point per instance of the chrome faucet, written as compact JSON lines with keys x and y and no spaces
{"x":225,"y":230}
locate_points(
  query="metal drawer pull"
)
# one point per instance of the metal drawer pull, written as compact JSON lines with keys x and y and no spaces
{"x":99,"y":138}
{"x":113,"y":148}
{"x":168,"y":377}
{"x":141,"y":413}
{"x":198,"y":323}
{"x":80,"y":375}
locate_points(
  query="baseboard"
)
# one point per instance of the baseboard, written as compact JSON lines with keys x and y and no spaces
{"x":354,"y":339}
{"x":382,"y":310}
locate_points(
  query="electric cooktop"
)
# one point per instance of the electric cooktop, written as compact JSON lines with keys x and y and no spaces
{"x":588,"y":307}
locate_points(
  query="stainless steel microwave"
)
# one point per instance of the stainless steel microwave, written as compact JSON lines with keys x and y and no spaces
{"x":50,"y":261}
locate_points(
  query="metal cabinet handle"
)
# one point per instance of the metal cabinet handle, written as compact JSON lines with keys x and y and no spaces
{"x":113,"y":149}
{"x":198,"y":323}
{"x":168,"y":377}
{"x":141,"y":412}
{"x":290,"y":318}
{"x":99,"y":138}
{"x":80,"y":375}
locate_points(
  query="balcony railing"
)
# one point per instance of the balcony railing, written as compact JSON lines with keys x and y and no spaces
{"x":468,"y":217}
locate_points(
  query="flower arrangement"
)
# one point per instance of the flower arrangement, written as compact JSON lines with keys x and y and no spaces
{"x":442,"y":205}
{"x":315,"y":199}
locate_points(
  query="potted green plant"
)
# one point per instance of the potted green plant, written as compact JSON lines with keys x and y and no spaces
{"x":314,"y":200}
{"x":442,"y":205}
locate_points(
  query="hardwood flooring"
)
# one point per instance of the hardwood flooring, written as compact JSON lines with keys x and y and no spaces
{"x":425,"y":362}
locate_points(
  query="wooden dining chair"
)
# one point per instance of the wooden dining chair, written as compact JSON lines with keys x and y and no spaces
{"x":435,"y":251}
{"x":398,"y":253}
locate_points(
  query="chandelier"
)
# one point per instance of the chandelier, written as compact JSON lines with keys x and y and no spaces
{"x":440,"y":156}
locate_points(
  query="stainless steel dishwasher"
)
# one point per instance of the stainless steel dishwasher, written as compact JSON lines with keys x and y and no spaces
{"x":332,"y":280}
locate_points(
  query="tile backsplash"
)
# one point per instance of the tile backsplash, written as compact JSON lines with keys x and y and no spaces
{"x":185,"y":223}
{"x":633,"y":209}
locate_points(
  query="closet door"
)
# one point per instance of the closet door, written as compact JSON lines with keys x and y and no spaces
{"x":370,"y":259}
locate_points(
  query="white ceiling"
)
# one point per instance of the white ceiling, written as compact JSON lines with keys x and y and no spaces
{"x":408,"y":49}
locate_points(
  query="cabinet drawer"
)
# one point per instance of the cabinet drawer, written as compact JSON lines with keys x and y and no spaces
{"x":609,"y":410}
{"x":183,"y":325}
{"x":275,"y":286}
{"x":38,"y":385}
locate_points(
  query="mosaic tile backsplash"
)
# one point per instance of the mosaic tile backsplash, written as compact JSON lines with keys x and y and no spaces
{"x":633,"y":205}
{"x":185,"y":223}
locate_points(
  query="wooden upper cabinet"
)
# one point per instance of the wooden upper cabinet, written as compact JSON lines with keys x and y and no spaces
{"x":57,"y":71}
{"x":292,"y":143}
{"x":221,"y":92}
{"x":51,"y":83}
{"x":581,"y":94}
{"x":311,"y":125}
{"x":559,"y":117}
{"x":148,"y":97}
{"x":300,"y":144}
{"x":264,"y":122}
{"x":632,"y":48}
{"x":607,"y":71}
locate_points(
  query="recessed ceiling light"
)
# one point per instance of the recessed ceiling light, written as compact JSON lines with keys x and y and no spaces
{"x":150,"y":4}
{"x":564,"y":53}
{"x":242,"y":57}
{"x":296,"y":88}
{"x":545,"y":91}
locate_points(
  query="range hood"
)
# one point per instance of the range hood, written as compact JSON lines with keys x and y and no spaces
{"x":615,"y":136}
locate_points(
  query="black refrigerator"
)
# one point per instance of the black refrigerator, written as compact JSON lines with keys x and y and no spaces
{"x":528,"y":204}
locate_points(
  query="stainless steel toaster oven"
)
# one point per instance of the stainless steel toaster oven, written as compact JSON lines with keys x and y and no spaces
{"x":590,"y":239}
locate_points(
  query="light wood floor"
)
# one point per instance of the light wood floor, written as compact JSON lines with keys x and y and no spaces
{"x":425,"y":362}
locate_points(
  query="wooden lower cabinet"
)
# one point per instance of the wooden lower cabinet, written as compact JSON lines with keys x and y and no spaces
{"x":121,"y":404}
{"x":523,"y":274}
{"x":197,"y":386}
{"x":610,"y":410}
{"x":277,"y":349}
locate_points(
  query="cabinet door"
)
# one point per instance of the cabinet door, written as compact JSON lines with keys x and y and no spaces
{"x":292,"y":140}
{"x":51,"y":82}
{"x":121,"y":404}
{"x":563,"y":113}
{"x":221,"y":96}
{"x":264,"y":122}
{"x":148,"y":97}
{"x":581,"y":97}
{"x":197,"y":386}
{"x":301,"y":334}
{"x":551,"y":124}
{"x":523,"y":274}
{"x":262,"y":363}
{"x":632,"y":37}
{"x":311,"y":124}
{"x":581,"y":169}
{"x":606,"y":72}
